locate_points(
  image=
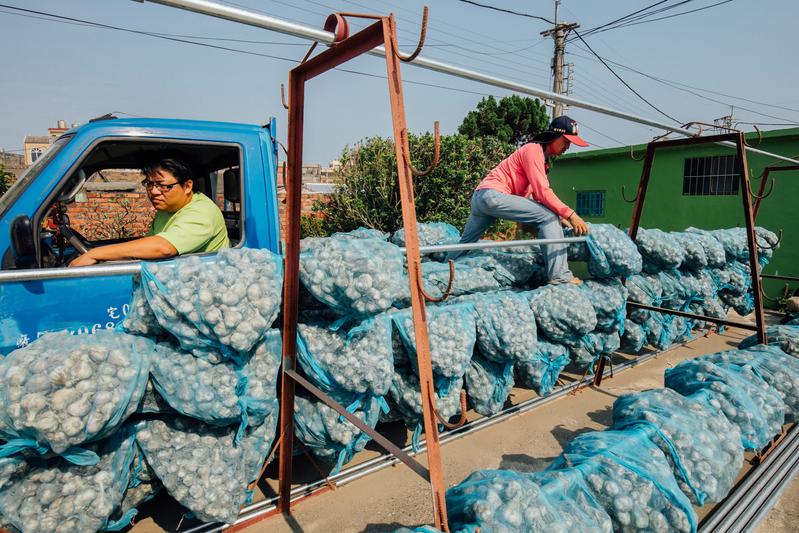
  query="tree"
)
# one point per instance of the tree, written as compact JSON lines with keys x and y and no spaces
{"x":5,"y":180}
{"x":368,"y":190}
{"x":513,"y":120}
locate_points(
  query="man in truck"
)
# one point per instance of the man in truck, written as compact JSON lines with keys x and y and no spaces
{"x":518,"y":189}
{"x":185,"y":221}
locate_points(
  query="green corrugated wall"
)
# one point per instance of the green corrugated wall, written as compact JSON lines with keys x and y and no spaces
{"x":666,"y":207}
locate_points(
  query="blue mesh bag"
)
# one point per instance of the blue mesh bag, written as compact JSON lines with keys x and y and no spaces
{"x":785,"y":337}
{"x":631,"y":478}
{"x":774,"y":366}
{"x":221,"y":394}
{"x":469,"y":279}
{"x":140,"y":319}
{"x":660,"y":250}
{"x":609,"y":251}
{"x":329,"y":435}
{"x":142,"y":487}
{"x":488,"y":385}
{"x":221,"y":304}
{"x":541,"y":372}
{"x":609,"y":298}
{"x":589,"y":348}
{"x":563,"y":313}
{"x":704,"y":449}
{"x":736,"y":245}
{"x":55,"y":495}
{"x":695,"y":256}
{"x":406,"y":399}
{"x":714,"y":251}
{"x":361,"y":233}
{"x":202,"y":467}
{"x":511,"y":267}
{"x":431,"y":234}
{"x":635,"y":336}
{"x":353,"y":275}
{"x":743,"y":397}
{"x":451,"y":334}
{"x":351,"y":364}
{"x":644,"y":289}
{"x":504,"y":501}
{"x":506,"y":329}
{"x":64,"y":390}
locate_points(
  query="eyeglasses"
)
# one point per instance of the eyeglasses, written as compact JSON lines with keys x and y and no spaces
{"x":163,"y":187}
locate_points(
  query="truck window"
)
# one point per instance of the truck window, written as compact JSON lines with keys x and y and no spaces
{"x":102,"y":200}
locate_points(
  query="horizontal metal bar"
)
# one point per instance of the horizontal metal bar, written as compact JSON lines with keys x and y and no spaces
{"x":389,"y":446}
{"x":483,"y":245}
{"x":777,"y":276}
{"x":260,"y":20}
{"x":724,"y":321}
{"x":94,"y":271}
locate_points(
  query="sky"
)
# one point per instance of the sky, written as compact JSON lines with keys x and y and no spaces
{"x":739,"y":53}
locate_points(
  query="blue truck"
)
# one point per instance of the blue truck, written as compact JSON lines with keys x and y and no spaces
{"x":234,"y":163}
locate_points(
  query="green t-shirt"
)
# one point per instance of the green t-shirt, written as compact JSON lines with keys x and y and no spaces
{"x":197,"y":227}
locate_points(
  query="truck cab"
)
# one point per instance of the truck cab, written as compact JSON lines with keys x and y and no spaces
{"x":85,"y":191}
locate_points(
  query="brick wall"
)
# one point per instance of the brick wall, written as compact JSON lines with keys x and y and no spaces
{"x":13,"y":163}
{"x":308,"y":199}
{"x":112,"y":214}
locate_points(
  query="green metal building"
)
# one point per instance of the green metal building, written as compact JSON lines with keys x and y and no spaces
{"x":689,"y":186}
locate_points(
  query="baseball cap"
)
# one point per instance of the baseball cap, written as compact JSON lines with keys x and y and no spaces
{"x":567,"y":127}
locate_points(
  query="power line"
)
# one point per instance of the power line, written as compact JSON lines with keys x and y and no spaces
{"x":676,"y":85}
{"x":674,"y":15}
{"x":517,"y":13}
{"x":653,"y":106}
{"x":588,"y":32}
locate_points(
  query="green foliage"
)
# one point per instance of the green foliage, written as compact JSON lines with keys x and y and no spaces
{"x":513,"y":120}
{"x":312,"y":226}
{"x":368,"y":192}
{"x":5,"y":180}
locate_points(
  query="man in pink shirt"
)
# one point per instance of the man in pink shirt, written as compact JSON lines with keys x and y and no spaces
{"x":518,"y":189}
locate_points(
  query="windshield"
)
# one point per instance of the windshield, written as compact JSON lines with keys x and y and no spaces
{"x":27,"y":177}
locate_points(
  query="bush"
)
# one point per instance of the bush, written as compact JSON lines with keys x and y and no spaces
{"x":368,"y":193}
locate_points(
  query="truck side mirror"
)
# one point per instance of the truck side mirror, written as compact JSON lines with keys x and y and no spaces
{"x":22,"y":242}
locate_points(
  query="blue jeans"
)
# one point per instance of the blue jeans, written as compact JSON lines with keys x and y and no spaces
{"x":489,"y":205}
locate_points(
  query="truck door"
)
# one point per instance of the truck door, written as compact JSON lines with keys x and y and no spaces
{"x":95,"y":199}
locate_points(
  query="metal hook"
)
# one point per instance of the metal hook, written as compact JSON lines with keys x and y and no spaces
{"x":764,"y":195}
{"x":436,"y":152}
{"x":448,"y":290}
{"x":767,"y":297}
{"x":759,"y":137}
{"x":419,"y":46}
{"x":283,"y":96}
{"x":771,"y":246}
{"x":338,"y":25}
{"x":624,"y":196}
{"x":632,"y":155}
{"x":460,"y":421}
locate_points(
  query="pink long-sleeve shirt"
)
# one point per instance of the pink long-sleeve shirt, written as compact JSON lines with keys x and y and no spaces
{"x":524,"y":173}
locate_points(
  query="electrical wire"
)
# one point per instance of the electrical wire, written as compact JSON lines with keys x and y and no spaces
{"x":653,"y":106}
{"x":501,"y":10}
{"x":666,"y":17}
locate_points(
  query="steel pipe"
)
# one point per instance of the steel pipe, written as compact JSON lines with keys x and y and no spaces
{"x":40,"y":274}
{"x":259,"y":20}
{"x":685,"y":314}
{"x":483,"y":245}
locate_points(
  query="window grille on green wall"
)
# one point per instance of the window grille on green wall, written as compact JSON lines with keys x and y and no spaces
{"x":711,"y":176}
{"x":591,"y":203}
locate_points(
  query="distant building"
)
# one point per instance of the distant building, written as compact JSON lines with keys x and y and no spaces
{"x":35,"y":145}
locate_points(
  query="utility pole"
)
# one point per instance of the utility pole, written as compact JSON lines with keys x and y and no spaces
{"x":724,"y":124}
{"x":558,"y":34}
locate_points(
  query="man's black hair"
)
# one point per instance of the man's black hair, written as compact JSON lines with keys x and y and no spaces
{"x":172,"y":163}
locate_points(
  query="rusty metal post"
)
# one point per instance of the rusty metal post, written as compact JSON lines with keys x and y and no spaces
{"x":754,"y":265}
{"x":291,"y":283}
{"x":643,"y":185}
{"x":761,"y":190}
{"x":414,"y":275}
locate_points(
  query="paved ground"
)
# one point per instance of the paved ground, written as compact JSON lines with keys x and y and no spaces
{"x":395,"y":496}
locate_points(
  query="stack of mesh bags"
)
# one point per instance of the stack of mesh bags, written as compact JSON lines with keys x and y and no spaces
{"x":352,"y":361}
{"x":631,"y":478}
{"x":451,"y":333}
{"x":703,"y":448}
{"x":517,"y":266}
{"x":430,"y":234}
{"x":737,"y":392}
